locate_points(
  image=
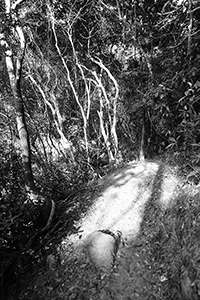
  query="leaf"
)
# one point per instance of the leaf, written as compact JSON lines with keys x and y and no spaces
{"x":197,"y":84}
{"x":187,"y":92}
{"x":104,"y":295}
{"x":163,"y":278}
{"x":171,"y":139}
{"x":162,"y":96}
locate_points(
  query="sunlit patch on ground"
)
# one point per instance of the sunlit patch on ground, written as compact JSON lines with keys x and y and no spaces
{"x":170,"y":184}
{"x":123,"y":197}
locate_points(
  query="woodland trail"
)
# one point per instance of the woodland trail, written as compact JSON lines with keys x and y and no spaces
{"x":123,"y":195}
{"x":135,"y":200}
{"x":122,"y":204}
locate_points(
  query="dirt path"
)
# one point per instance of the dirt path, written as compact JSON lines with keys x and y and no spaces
{"x":132,"y":200}
{"x":120,"y":205}
{"x":122,"y":197}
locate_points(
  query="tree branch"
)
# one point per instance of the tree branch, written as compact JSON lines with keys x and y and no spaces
{"x":16,"y":3}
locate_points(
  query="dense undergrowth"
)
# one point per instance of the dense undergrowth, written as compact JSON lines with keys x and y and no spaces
{"x":173,"y":241}
{"x":21,"y":245}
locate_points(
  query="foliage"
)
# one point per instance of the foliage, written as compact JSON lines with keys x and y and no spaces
{"x":174,"y":247}
{"x":14,"y":226}
{"x":142,"y":44}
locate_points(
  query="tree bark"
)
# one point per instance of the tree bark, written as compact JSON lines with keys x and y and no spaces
{"x":142,"y":141}
{"x":14,"y":73}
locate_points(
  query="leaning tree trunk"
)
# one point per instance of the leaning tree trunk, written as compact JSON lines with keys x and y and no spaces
{"x":142,"y":140}
{"x":46,"y":206}
{"x":14,"y":68}
{"x":14,"y":73}
{"x":20,"y":115}
{"x":24,"y":137}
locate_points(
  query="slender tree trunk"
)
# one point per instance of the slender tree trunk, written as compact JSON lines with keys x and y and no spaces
{"x":142,"y":141}
{"x":24,"y":138}
{"x":14,"y":73}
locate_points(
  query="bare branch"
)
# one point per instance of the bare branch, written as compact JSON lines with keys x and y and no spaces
{"x":20,"y":55}
{"x":63,"y":140}
{"x":114,"y":119}
{"x":7,"y":6}
{"x":16,"y":3}
{"x":190,"y":29}
{"x":68,"y":73}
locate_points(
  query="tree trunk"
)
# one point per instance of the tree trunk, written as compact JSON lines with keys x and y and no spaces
{"x":24,"y":139}
{"x":14,"y":73}
{"x":142,"y":157}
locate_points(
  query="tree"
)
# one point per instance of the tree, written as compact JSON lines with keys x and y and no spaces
{"x":12,"y":41}
{"x":14,"y":68}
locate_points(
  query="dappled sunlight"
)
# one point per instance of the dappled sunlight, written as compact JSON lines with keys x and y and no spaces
{"x":121,"y":203}
{"x":129,"y":220}
{"x":121,"y":236}
{"x":170,"y":184}
{"x":132,"y":170}
{"x":122,"y":198}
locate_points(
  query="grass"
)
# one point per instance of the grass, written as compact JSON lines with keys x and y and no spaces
{"x":174,"y":243}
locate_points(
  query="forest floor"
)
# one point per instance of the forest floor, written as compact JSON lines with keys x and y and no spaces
{"x":158,"y":216}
